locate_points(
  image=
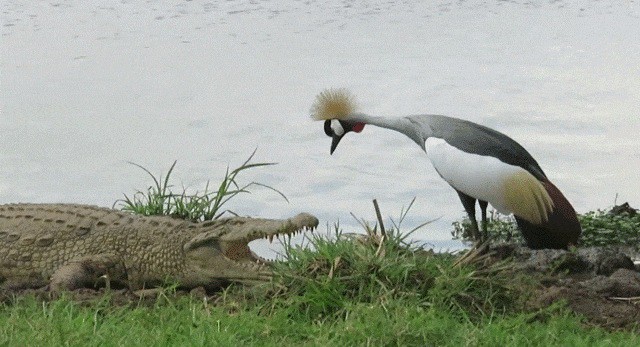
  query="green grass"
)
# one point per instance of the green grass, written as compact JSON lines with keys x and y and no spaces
{"x":322,"y":281}
{"x":602,"y":228}
{"x":190,"y":322}
{"x":599,"y":228}
{"x":160,"y":199}
{"x":500,"y":229}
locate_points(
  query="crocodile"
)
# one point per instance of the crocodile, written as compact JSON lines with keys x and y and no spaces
{"x":69,"y":246}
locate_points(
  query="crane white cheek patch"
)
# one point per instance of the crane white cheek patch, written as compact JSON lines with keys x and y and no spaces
{"x":489,"y":179}
{"x":337,"y":127}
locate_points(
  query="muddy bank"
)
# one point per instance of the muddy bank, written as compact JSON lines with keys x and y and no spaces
{"x":600,"y":283}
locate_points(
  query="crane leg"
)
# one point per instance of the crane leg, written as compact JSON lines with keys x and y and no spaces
{"x":469,"y":204}
{"x":483,"y":208}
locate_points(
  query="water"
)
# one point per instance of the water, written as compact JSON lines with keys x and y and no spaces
{"x":88,"y":85}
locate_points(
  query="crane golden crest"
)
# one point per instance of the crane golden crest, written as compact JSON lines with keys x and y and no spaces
{"x":333,"y":104}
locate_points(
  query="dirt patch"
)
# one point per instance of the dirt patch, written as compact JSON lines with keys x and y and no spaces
{"x":609,"y":302}
{"x":600,"y":283}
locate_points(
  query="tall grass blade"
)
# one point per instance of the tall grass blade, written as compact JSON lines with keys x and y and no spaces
{"x":159,"y":199}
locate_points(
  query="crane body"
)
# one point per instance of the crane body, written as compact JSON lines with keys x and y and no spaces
{"x":480,"y":163}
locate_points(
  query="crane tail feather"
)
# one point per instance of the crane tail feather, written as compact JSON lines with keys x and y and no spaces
{"x":527,"y":197}
{"x":560,"y":230}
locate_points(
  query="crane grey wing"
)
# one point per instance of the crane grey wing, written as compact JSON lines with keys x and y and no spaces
{"x":478,"y":139}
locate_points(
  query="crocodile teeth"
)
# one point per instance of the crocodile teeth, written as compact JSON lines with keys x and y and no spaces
{"x":271,"y":238}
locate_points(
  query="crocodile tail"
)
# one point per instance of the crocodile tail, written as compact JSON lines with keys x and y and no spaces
{"x":561,"y":229}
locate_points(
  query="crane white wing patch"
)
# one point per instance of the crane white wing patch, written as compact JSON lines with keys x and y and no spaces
{"x":508,"y":188}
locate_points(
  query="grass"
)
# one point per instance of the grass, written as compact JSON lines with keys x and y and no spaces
{"x":500,"y":229}
{"x":191,"y":322}
{"x":602,"y":228}
{"x":613,"y":226}
{"x":160,"y":199}
{"x":374,"y":289}
{"x":323,"y":281}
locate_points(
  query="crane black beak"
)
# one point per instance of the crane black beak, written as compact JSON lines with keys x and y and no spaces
{"x":335,"y":139}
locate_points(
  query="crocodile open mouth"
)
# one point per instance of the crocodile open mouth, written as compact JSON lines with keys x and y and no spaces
{"x":239,"y":250}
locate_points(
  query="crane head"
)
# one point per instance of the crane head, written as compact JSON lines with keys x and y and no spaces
{"x":334,"y":107}
{"x":336,"y":129}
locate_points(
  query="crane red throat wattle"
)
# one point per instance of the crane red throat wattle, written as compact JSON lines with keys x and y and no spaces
{"x":358,"y":127}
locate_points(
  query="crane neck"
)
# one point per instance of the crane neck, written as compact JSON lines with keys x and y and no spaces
{"x":417,"y":132}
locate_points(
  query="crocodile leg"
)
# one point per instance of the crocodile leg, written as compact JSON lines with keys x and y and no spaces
{"x":87,"y":272}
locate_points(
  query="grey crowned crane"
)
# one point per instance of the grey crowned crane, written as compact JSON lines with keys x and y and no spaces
{"x":480,"y":163}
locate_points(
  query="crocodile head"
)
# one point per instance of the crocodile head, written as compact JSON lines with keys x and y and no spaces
{"x":221,"y":253}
